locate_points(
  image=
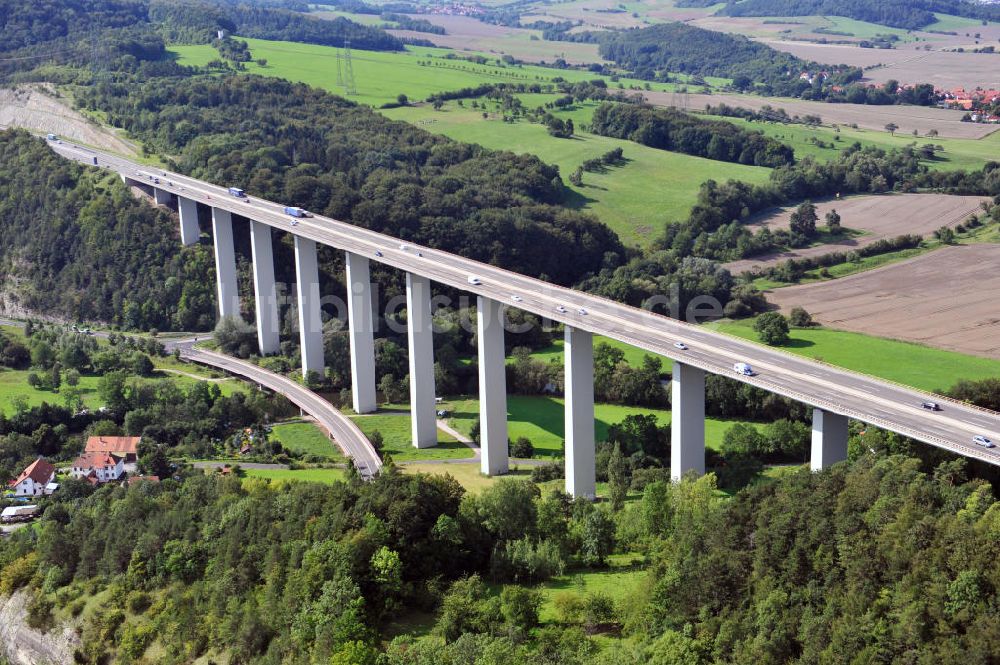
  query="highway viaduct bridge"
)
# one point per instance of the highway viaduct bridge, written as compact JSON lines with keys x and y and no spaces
{"x":836,"y":394}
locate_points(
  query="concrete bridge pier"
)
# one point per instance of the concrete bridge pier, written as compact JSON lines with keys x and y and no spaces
{"x":225,"y":263}
{"x":420,"y":336}
{"x":360,"y":311}
{"x":264,"y":288}
{"x":579,"y":382}
{"x":829,"y":439}
{"x":687,"y":424}
{"x":307,"y":294}
{"x":492,"y":387}
{"x":188,"y":211}
{"x":161,"y":196}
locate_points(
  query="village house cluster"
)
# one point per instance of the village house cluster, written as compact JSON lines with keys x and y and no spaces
{"x":981,"y":103}
{"x":105,"y":459}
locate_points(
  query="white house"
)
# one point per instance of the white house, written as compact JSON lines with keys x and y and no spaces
{"x":98,"y":467}
{"x":35,"y":479}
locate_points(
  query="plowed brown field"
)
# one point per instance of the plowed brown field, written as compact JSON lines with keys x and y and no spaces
{"x":881,"y":216}
{"x":947,"y":298}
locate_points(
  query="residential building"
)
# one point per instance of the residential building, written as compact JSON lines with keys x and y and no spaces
{"x":98,"y":467}
{"x":35,"y":479}
{"x":125,"y":447}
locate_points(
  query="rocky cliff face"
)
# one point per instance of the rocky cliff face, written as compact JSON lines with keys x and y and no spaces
{"x":23,"y":645}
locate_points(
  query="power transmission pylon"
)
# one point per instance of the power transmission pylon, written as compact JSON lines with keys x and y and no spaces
{"x":96,"y":62}
{"x":349,"y":87}
{"x":340,"y":75}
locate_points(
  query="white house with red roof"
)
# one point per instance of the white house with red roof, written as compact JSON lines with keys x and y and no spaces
{"x":35,"y":479}
{"x":98,"y":467}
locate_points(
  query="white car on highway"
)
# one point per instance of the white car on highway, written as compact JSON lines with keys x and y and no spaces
{"x":516,"y":298}
{"x":744,"y":369}
{"x":561,"y":309}
{"x":983,"y":441}
{"x":475,"y":281}
{"x":680,"y":345}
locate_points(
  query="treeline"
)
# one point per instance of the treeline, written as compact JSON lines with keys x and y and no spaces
{"x":111,"y":37}
{"x":282,"y":25}
{"x":905,"y":14}
{"x":199,"y":22}
{"x":88,"y":251}
{"x":670,"y":129}
{"x":792,"y":270}
{"x":28,"y":23}
{"x":766,"y":113}
{"x":404,"y":22}
{"x":292,"y":143}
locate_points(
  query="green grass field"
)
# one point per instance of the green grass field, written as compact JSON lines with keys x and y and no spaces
{"x":327,"y":476}
{"x":959,"y":24}
{"x":397,"y":440}
{"x":467,"y":475}
{"x":14,"y":383}
{"x":541,"y":419}
{"x":308,"y":439}
{"x":633,"y":354}
{"x":621,"y":579}
{"x":380,"y":75}
{"x":653,"y":188}
{"x":914,"y":365}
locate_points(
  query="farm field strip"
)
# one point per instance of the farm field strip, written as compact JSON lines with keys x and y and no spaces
{"x":941,"y":298}
{"x":947,"y":122}
{"x":882,"y":216}
{"x":381,"y":76}
{"x":941,"y":68}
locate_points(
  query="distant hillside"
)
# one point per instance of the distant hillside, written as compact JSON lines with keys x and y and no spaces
{"x":198,"y":21}
{"x":78,"y":32}
{"x":650,"y":53}
{"x":905,"y":14}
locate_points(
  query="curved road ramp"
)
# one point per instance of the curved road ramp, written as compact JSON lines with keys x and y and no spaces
{"x":347,"y":435}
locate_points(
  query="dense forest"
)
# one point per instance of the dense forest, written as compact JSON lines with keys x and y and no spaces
{"x":874,"y":561}
{"x":64,"y":30}
{"x":289,"y":142}
{"x":905,"y":14}
{"x":670,"y":129}
{"x":653,"y":53}
{"x":88,"y":250}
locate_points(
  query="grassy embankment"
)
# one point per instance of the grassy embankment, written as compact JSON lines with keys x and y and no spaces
{"x":911,"y":364}
{"x":308,"y":439}
{"x":635,"y":199}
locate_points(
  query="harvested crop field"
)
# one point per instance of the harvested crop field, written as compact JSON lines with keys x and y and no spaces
{"x":880,"y":216}
{"x":947,"y":122}
{"x":465,"y":33}
{"x":946,"y":299}
{"x":943,"y":69}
